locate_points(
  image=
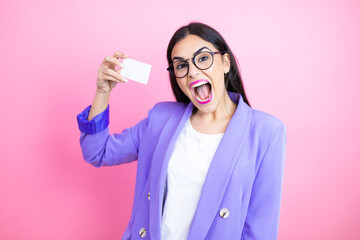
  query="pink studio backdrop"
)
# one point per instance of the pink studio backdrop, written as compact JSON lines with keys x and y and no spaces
{"x":300,"y":61}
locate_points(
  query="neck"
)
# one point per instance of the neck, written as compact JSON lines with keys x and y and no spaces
{"x":224,"y":111}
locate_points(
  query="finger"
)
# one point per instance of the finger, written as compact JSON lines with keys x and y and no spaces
{"x":119,"y":54}
{"x":111,"y":62}
{"x":112,"y":73}
{"x":112,"y":79}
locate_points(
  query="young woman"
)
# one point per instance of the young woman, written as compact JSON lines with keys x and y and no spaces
{"x":209,"y":166}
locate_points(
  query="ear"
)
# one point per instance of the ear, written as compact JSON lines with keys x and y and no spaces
{"x":226,"y":62}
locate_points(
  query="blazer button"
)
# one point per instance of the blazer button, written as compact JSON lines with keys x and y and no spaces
{"x":142,"y":232}
{"x":149,"y":195}
{"x":224,"y":213}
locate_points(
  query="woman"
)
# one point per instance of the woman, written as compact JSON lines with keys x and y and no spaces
{"x":209,"y":166}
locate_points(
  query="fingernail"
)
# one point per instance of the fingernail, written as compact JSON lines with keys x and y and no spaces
{"x":117,"y":68}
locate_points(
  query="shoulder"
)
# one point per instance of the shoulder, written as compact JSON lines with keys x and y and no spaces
{"x":262,"y":124}
{"x":164,"y":110}
{"x":265,"y":119}
{"x":265,"y":125}
{"x":168,"y":106}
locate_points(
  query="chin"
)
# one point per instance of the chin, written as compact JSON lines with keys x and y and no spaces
{"x":209,"y":107}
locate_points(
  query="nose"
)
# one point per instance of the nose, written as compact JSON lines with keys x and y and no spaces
{"x":193,"y":70}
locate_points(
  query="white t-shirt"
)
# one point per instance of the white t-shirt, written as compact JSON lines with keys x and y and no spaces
{"x":186,"y":173}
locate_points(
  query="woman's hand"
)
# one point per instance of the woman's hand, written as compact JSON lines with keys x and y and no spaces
{"x":109,"y":72}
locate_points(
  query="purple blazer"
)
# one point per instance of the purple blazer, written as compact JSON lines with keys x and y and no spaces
{"x":242,"y":190}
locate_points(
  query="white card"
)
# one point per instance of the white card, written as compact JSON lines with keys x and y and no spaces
{"x":135,"y":70}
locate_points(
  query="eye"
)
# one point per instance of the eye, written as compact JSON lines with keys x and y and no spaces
{"x":180,"y":66}
{"x":203,"y":58}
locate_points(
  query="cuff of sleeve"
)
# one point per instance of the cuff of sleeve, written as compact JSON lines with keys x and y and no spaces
{"x":97,"y":124}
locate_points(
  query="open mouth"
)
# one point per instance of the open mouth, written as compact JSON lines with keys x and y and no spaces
{"x":201,"y":90}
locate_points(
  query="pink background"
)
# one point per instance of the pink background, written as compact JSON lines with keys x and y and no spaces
{"x":300,"y":61}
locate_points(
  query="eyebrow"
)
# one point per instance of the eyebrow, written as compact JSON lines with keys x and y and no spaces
{"x":199,"y":50}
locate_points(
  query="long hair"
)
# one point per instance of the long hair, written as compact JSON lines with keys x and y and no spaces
{"x":233,"y":81}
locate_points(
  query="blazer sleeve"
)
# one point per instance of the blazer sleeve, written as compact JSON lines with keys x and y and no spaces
{"x":99,"y":148}
{"x":262,"y":219}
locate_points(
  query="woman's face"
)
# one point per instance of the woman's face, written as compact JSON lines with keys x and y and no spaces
{"x":205,"y":88}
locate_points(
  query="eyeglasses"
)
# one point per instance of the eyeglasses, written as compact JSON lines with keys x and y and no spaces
{"x":202,"y":60}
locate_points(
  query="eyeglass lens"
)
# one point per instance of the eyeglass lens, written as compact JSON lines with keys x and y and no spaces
{"x":203,"y":61}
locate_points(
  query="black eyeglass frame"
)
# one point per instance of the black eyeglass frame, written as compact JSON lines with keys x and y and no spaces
{"x":171,"y":67}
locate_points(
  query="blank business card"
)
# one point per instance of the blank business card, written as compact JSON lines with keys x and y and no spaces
{"x":135,"y":70}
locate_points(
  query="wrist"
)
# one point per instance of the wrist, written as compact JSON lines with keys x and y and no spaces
{"x":101,"y":94}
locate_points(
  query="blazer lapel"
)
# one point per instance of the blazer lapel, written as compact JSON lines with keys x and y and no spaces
{"x":162,"y":154}
{"x":220,"y":169}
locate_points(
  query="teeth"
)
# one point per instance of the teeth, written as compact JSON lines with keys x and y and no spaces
{"x":201,"y":100}
{"x":199,"y":84}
